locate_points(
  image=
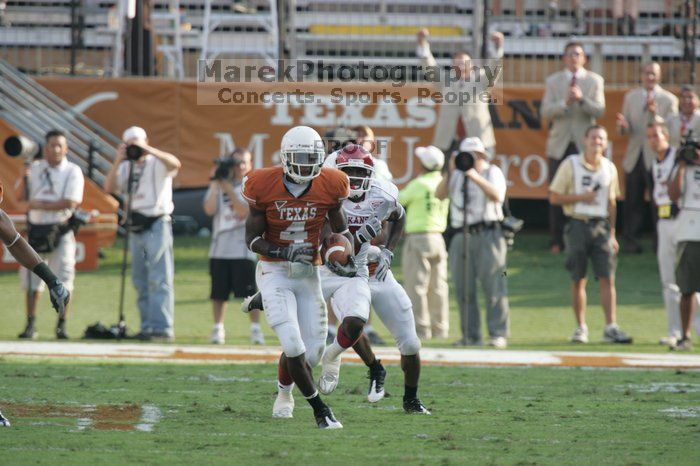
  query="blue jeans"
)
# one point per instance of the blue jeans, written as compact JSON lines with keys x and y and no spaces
{"x":153,"y":271}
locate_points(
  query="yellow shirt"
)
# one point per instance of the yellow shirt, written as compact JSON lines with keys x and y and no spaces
{"x":425,"y":213}
{"x":563,"y":182}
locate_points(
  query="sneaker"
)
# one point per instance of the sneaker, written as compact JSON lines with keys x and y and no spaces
{"x":29,"y":333}
{"x":326,"y":420}
{"x":252,"y":302}
{"x":668,"y":341}
{"x":4,"y":422}
{"x":61,"y":333}
{"x":374,"y":338}
{"x":376,"y":383}
{"x":414,"y":406}
{"x":684,"y":344}
{"x":613,"y":334}
{"x":256,"y":336}
{"x":580,"y":335}
{"x":499,"y":342}
{"x":284,"y":405}
{"x":330,"y":374}
{"x":143,"y":336}
{"x":218,"y":335}
{"x":162,"y":337}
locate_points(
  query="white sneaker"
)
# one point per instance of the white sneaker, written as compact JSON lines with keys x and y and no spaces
{"x":499,"y":342}
{"x":256,"y":336}
{"x":668,"y":341}
{"x":218,"y":335}
{"x":284,"y":405}
{"x":580,"y":335}
{"x":330,"y":374}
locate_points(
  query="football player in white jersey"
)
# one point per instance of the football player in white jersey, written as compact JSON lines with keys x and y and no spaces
{"x":372,"y":196}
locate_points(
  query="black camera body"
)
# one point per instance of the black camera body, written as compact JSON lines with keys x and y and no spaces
{"x":464,"y":161}
{"x":224,"y":165}
{"x":133,"y":152}
{"x":687,"y":149}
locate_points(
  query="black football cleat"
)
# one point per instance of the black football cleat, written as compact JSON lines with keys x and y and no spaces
{"x":29,"y":333}
{"x":376,"y":383}
{"x":326,"y":420}
{"x":252,"y":303}
{"x":414,"y":406}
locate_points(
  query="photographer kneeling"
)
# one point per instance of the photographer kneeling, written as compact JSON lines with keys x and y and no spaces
{"x":684,"y":188}
{"x":486,"y":253}
{"x":231,"y":263}
{"x":151,"y":172}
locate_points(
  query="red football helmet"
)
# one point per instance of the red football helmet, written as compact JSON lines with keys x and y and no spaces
{"x":358,"y":164}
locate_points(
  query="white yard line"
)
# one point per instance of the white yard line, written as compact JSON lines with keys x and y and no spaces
{"x":193,"y":354}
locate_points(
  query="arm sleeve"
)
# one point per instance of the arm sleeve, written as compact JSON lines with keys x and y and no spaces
{"x":594,"y":103}
{"x":249,"y":191}
{"x":76,"y":186}
{"x":499,"y":181}
{"x":563,"y":179}
{"x":551,"y":106}
{"x":343,"y":187}
{"x":122,"y":177}
{"x":407,"y":194}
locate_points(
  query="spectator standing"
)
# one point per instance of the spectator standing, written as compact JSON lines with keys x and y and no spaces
{"x":455,"y":120}
{"x":486,"y":254}
{"x":152,"y":263}
{"x":231,"y":263}
{"x":685,"y":190}
{"x":666,"y":227}
{"x":55,"y":189}
{"x":424,"y":255}
{"x":687,"y":119}
{"x":573,"y":99}
{"x":586,"y":185}
{"x":641,"y":106}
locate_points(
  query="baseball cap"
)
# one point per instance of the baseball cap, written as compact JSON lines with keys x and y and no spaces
{"x":431,"y":157}
{"x":134,"y":132}
{"x":473,"y":144}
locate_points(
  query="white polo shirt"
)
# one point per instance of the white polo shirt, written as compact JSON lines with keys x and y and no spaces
{"x":228,"y":237}
{"x":46,"y":183}
{"x":479,"y":208}
{"x":152,"y":190}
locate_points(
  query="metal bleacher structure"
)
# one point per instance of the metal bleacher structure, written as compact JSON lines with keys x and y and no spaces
{"x":35,"y":35}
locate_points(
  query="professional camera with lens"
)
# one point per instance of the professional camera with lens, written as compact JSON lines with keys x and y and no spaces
{"x":223,"y":167}
{"x":133,"y":152}
{"x":687,"y":150}
{"x":340,"y":137}
{"x":464,"y":161}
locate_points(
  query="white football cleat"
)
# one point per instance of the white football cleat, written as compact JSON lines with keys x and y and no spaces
{"x":4,"y":422}
{"x":218,"y":335}
{"x":256,"y":336}
{"x":284,"y":405}
{"x":330,"y":374}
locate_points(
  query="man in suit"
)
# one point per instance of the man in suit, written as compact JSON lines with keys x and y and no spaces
{"x":457,"y":121}
{"x":573,"y":99}
{"x":641,"y":106}
{"x":688,"y":119}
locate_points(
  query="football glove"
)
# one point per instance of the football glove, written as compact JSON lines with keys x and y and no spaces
{"x":384,"y":263}
{"x":60,"y":297}
{"x":370,"y":230}
{"x":347,"y":270}
{"x":295,"y":252}
{"x":361,"y":261}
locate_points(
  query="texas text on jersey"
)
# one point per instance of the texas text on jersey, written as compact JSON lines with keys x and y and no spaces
{"x":293,"y":219}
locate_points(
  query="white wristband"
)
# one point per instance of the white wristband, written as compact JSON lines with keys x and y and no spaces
{"x":250,"y":245}
{"x":17,"y":237}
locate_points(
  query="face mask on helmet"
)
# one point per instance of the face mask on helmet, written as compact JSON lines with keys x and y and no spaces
{"x":302,"y":167}
{"x":360,"y":178}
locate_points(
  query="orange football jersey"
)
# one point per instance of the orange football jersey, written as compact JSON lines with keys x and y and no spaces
{"x":295,"y":219}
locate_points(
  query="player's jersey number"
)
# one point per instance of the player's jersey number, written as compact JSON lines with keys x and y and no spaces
{"x":295,"y":232}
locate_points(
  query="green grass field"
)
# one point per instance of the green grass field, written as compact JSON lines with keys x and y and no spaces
{"x":541,"y":316}
{"x":214,"y":414}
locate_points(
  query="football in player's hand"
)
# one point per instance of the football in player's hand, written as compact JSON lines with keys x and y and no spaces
{"x":336,"y":248}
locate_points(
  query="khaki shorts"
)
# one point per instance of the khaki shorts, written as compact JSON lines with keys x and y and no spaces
{"x":688,"y":266}
{"x":586,"y":240}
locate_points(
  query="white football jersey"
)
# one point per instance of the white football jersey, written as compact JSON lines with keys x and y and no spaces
{"x":381,"y":199}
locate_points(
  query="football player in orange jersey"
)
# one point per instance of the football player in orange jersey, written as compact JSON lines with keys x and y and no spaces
{"x":289,"y":206}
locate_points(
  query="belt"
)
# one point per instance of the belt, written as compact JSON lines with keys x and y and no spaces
{"x":481,"y":226}
{"x":589,"y":219}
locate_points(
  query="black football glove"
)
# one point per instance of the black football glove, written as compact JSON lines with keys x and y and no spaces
{"x":60,"y":297}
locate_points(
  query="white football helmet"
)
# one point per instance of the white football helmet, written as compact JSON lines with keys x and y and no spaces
{"x":302,"y":153}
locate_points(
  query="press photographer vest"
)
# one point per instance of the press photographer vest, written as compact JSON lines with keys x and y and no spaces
{"x":585,"y":180}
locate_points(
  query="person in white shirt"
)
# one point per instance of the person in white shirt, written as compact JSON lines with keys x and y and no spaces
{"x":153,"y":267}
{"x":231,"y":263}
{"x":486,"y":252}
{"x":586,"y":186}
{"x":687,"y":119}
{"x":53,"y":187}
{"x":666,"y":227}
{"x":685,"y":190}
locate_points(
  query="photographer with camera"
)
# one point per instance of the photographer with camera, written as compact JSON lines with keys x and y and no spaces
{"x":53,"y":189}
{"x":473,"y":178}
{"x":684,"y":188}
{"x":231,"y":263}
{"x":151,"y":172}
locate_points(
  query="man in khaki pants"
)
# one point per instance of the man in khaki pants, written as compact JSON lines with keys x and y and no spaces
{"x":424,"y":254}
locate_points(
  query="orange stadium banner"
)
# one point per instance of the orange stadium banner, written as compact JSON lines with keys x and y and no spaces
{"x":179,"y":119}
